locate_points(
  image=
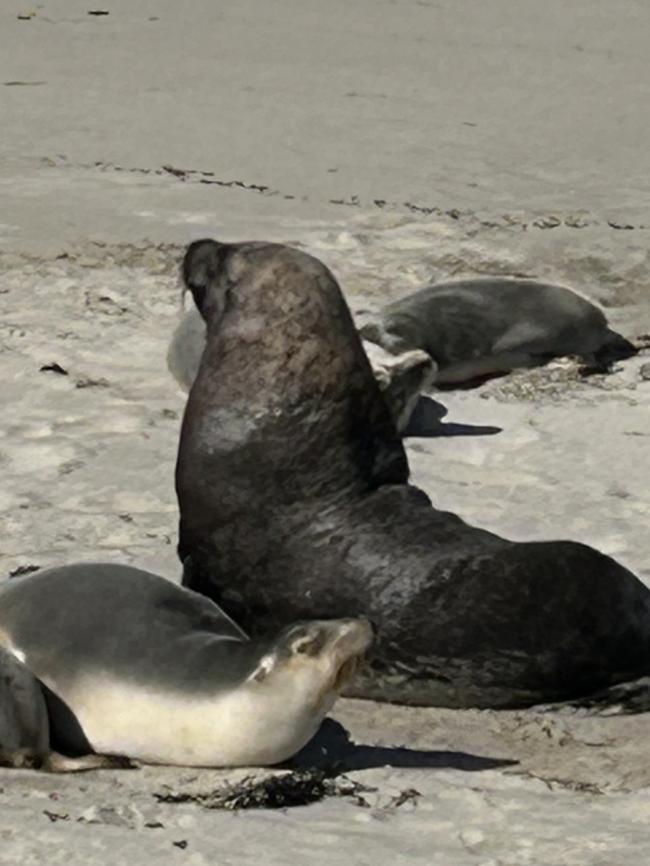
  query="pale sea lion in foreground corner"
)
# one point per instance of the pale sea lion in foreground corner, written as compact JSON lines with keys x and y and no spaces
{"x":25,"y":725}
{"x":295,"y":503}
{"x":134,"y":665}
{"x":480,"y":327}
{"x":402,"y":377}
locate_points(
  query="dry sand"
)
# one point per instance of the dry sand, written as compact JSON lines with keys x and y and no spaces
{"x":400,"y":142}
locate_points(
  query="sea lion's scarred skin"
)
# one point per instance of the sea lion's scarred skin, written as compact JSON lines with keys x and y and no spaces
{"x":402,"y":376}
{"x":137,"y":666}
{"x":295,"y":503}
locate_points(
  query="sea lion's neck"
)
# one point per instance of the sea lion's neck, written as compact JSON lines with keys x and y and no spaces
{"x":285,"y":410}
{"x":306,"y":426}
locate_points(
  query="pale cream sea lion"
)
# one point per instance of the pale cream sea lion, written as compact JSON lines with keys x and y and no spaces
{"x":136,"y":666}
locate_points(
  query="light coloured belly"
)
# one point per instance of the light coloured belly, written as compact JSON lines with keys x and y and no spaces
{"x":241,"y":728}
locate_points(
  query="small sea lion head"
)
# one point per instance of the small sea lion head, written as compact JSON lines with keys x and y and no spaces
{"x":314,"y":659}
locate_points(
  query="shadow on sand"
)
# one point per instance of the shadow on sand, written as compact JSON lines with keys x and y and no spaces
{"x":426,"y":421}
{"x":332,"y":749}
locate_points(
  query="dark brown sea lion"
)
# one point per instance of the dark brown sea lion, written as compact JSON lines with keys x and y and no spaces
{"x":295,"y":503}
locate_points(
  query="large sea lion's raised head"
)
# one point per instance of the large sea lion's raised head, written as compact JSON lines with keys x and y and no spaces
{"x":285,"y":394}
{"x":283,"y":302}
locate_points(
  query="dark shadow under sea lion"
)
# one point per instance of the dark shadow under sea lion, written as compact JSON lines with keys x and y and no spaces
{"x":333,"y":749}
{"x":295,"y":503}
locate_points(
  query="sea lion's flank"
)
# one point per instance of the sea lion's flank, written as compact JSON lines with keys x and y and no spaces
{"x":478,"y":327}
{"x":402,"y":376}
{"x":143,"y":668}
{"x":295,"y":503}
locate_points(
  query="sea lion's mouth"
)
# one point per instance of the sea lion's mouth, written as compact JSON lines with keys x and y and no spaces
{"x":333,"y":687}
{"x":347,"y":671}
{"x":352,"y":645}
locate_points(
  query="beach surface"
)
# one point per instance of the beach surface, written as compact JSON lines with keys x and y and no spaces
{"x":400,"y":142}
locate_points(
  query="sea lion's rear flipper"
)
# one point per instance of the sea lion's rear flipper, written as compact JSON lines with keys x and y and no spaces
{"x":19,"y":759}
{"x":54,"y":762}
{"x":616,"y":347}
{"x":407,"y":379}
{"x":57,"y":763}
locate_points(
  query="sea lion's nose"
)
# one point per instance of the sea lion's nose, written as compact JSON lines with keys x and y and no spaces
{"x":372,"y":624}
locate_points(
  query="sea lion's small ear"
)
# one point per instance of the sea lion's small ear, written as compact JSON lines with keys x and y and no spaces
{"x":263,"y":669}
{"x":309,"y":643}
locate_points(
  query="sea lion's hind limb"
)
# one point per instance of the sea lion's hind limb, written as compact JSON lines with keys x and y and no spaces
{"x":54,"y":762}
{"x":411,"y":374}
{"x":19,"y":759}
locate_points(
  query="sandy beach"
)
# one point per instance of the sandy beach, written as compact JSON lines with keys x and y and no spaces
{"x":400,"y":142}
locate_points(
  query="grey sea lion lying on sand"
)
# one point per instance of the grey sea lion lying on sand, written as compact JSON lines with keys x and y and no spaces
{"x":295,"y":503}
{"x":479,"y":327}
{"x":136,"y":666}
